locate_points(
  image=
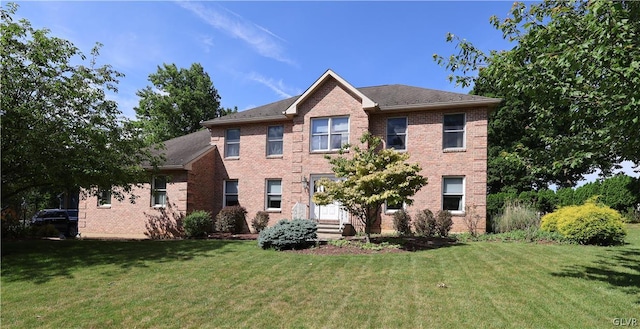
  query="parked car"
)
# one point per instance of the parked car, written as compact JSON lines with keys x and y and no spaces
{"x":64,"y":220}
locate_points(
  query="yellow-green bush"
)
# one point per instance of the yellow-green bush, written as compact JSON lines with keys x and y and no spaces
{"x":586,"y":224}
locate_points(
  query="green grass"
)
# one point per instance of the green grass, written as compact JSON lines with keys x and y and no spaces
{"x":234,"y":284}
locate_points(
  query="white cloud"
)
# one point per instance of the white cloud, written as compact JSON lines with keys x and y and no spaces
{"x":265,"y":42}
{"x":277,"y":86}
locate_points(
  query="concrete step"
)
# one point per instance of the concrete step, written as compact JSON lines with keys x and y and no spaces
{"x":332,"y":228}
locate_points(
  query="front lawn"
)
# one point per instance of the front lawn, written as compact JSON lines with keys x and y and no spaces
{"x":234,"y":284}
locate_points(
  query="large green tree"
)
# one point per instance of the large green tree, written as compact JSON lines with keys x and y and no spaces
{"x":575,"y":70}
{"x":59,"y":130}
{"x":369,"y":177}
{"x":176,"y":102}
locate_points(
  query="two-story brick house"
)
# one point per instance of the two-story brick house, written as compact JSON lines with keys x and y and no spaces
{"x":269,"y":158}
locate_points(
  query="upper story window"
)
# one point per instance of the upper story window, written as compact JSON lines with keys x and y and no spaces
{"x":329,"y":134}
{"x":453,"y":194}
{"x":232,"y":143}
{"x":104,"y":197}
{"x":274,"y":194}
{"x":159,"y":191}
{"x":397,"y":133}
{"x":230,"y":193}
{"x":274,"y":140}
{"x":453,"y":136}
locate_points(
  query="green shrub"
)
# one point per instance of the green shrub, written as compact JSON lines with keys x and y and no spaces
{"x":443,"y":223}
{"x":586,"y":224}
{"x":425,"y":223}
{"x":631,"y":216}
{"x":496,"y":201}
{"x":231,"y":219}
{"x":402,"y":222}
{"x":260,"y":221}
{"x":293,"y":234}
{"x":197,"y":224}
{"x":516,"y":216}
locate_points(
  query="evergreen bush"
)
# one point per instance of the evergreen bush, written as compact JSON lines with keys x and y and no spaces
{"x":293,"y":234}
{"x":402,"y":222}
{"x":586,"y":224}
{"x":231,"y":219}
{"x":425,"y":223}
{"x":197,"y":224}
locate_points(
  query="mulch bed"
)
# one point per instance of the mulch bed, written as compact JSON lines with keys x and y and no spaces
{"x":408,"y":244}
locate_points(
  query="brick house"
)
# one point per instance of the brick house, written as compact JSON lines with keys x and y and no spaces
{"x":268,"y":158}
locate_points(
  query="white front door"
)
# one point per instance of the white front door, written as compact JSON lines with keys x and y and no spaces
{"x":326,"y":212}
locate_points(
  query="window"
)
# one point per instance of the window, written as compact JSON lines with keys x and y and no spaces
{"x":453,"y":194}
{"x":453,"y":135}
{"x":397,"y":133}
{"x":159,"y":191}
{"x":232,"y":143}
{"x":274,"y":194}
{"x":104,"y":197}
{"x":274,"y":140}
{"x":329,"y":134}
{"x":393,"y":207}
{"x":230,"y":193}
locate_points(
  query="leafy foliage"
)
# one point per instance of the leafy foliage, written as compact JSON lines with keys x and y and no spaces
{"x":293,"y":234}
{"x":444,"y":223}
{"x":370,"y":176}
{"x":260,"y":221}
{"x":176,"y":103}
{"x":402,"y":222}
{"x":570,"y":90}
{"x":586,"y":224}
{"x":59,"y":130}
{"x":231,"y":219}
{"x":425,"y":223}
{"x":197,"y":224}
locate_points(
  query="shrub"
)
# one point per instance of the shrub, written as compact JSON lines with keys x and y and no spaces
{"x":48,"y":230}
{"x":496,"y":201}
{"x":260,"y":221}
{"x":231,"y":219}
{"x":425,"y":223}
{"x":631,"y":216}
{"x":443,"y":223}
{"x":402,"y":222}
{"x":516,"y":216}
{"x":197,"y":224}
{"x":293,"y":234}
{"x":586,"y":224}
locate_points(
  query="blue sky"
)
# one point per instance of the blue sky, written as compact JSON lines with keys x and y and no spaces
{"x":260,"y":52}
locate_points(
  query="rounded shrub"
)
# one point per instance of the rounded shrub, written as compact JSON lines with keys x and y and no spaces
{"x":260,"y":221}
{"x":402,"y":222}
{"x":293,"y":234}
{"x":586,"y":224}
{"x":231,"y":219}
{"x":444,"y":222}
{"x":197,"y":224}
{"x":425,"y":223}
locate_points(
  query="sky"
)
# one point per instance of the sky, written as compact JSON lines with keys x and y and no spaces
{"x":261,"y":52}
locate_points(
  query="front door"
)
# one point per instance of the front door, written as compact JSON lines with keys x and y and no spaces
{"x":327,"y":212}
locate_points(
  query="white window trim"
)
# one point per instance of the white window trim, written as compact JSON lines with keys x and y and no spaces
{"x":267,"y":194}
{"x":393,"y":211}
{"x":228,"y":142}
{"x":104,"y":205}
{"x":464,"y":132}
{"x":464,"y":189}
{"x":275,"y":140}
{"x":406,"y":133}
{"x":154,"y":190}
{"x":224,"y":191}
{"x":328,"y":149}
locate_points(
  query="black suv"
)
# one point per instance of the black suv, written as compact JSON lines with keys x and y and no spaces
{"x":64,"y":220}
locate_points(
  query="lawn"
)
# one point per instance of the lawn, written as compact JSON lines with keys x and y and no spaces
{"x":215,"y":284}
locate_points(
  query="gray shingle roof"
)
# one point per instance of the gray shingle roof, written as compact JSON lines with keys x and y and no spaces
{"x":388,"y":97}
{"x":180,"y":151}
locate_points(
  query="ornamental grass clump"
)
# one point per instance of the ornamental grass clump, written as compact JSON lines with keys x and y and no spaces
{"x":589,"y":223}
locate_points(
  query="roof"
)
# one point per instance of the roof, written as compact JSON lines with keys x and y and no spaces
{"x":383,"y":98}
{"x":181,"y":152}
